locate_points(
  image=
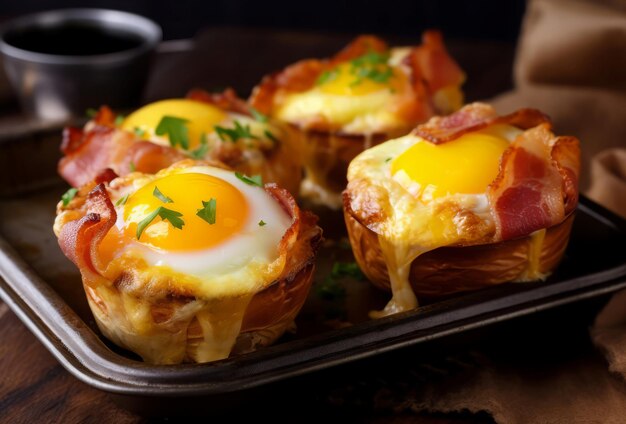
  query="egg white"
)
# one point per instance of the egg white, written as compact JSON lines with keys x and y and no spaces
{"x":233,"y":266}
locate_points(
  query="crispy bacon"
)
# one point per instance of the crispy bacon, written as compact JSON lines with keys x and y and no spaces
{"x":88,"y":153}
{"x":105,"y":117}
{"x":566,"y":155}
{"x":431,"y":63}
{"x":537,"y":184}
{"x":79,"y":239}
{"x":226,"y":100}
{"x":528,"y":193}
{"x":474,"y":117}
{"x":358,"y":47}
{"x":295,"y":78}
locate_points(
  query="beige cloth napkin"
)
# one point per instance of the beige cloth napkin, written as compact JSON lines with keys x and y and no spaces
{"x":570,"y":63}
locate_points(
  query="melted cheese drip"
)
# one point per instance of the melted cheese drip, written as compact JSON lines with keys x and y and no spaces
{"x":398,"y":260}
{"x":319,"y":165}
{"x":220,"y":323}
{"x":535,"y":247}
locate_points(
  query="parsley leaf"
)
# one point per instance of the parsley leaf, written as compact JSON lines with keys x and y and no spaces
{"x":388,"y":159}
{"x":163,"y":198}
{"x":166,"y":215}
{"x":372,"y":66}
{"x":139,"y":132}
{"x":172,"y":216}
{"x":330,"y":289}
{"x":176,"y":129}
{"x":201,"y":151}
{"x":254,"y":180}
{"x":68,"y":196}
{"x":119,"y":119}
{"x":347,"y":269}
{"x":258,"y":116}
{"x":262,"y":223}
{"x":122,"y":200}
{"x":91,"y":112}
{"x":327,"y":76}
{"x":208,"y":211}
{"x":240,"y":131}
{"x":131,"y":166}
{"x":271,"y":136}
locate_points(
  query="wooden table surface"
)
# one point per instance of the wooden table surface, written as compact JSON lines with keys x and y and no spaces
{"x":34,"y":387}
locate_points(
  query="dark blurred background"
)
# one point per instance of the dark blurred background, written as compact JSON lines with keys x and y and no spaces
{"x":479,"y":19}
{"x":236,"y":42}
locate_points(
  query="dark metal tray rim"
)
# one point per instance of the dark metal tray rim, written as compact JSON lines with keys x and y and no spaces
{"x":86,"y":357}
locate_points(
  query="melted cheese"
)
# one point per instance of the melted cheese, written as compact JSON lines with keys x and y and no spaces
{"x":425,"y":206}
{"x":535,"y":247}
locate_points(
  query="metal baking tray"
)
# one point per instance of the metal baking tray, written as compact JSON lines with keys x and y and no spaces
{"x":43,"y":288}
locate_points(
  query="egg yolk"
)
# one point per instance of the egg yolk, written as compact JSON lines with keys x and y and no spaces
{"x":344,"y":80}
{"x":466,"y":165}
{"x":187,"y":193}
{"x":201,"y":118}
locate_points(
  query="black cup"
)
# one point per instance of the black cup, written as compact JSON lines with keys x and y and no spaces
{"x":62,"y":62}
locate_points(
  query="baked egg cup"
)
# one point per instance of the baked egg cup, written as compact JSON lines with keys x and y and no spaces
{"x":463,"y":202}
{"x":365,"y":94}
{"x":191,"y":264}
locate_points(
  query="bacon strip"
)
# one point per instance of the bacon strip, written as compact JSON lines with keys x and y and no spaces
{"x":527,"y":195}
{"x":358,"y":47}
{"x":88,"y":153}
{"x":431,"y":63}
{"x":474,"y":117}
{"x":226,"y":100}
{"x":79,"y":239}
{"x":566,"y":155}
{"x":295,"y":78}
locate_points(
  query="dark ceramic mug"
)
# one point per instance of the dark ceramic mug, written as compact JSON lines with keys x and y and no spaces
{"x":62,"y":62}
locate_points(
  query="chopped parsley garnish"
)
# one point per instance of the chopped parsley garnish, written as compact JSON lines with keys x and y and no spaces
{"x":176,"y":129}
{"x":262,"y":223}
{"x":271,"y":136}
{"x":327,"y":76}
{"x":131,"y":166}
{"x":330,"y":289}
{"x":166,"y":215}
{"x":139,"y":132}
{"x":346,"y":269}
{"x":258,"y":116}
{"x":119,"y":119}
{"x":240,"y":131}
{"x":122,"y":200}
{"x":208,"y":211}
{"x":388,"y":159}
{"x":68,"y":196}
{"x":202,"y":149}
{"x":254,"y":180}
{"x":91,"y":112}
{"x":372,"y":66}
{"x":162,"y":197}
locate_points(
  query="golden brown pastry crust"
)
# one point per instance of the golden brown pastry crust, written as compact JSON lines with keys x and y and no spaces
{"x":449,"y":270}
